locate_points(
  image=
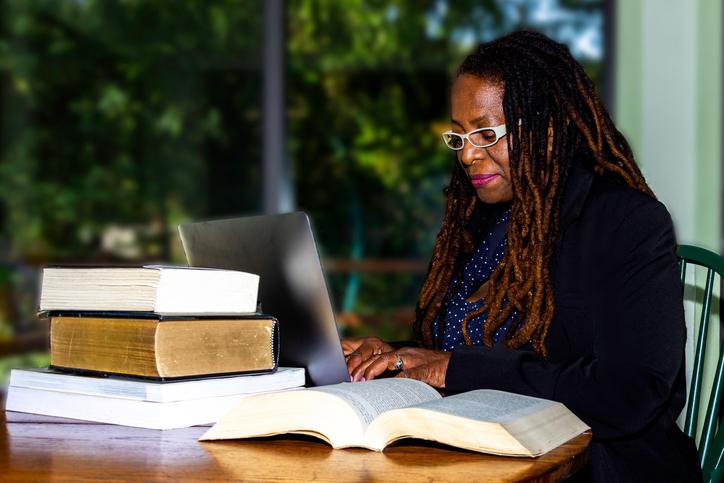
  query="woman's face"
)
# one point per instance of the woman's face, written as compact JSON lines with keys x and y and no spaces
{"x":478,"y":103}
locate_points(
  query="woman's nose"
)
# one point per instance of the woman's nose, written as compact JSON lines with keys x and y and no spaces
{"x":469,"y":154}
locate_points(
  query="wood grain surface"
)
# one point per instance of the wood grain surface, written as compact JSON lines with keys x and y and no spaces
{"x":48,"y":449}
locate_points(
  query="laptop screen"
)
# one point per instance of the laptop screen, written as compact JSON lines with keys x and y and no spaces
{"x":280,"y":249}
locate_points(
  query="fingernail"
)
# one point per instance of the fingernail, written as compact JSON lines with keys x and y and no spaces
{"x":351,"y":379}
{"x":362,"y":379}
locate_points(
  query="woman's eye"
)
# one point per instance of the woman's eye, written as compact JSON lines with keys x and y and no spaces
{"x":488,"y":134}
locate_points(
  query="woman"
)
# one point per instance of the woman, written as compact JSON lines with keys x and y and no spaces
{"x":554,"y":274}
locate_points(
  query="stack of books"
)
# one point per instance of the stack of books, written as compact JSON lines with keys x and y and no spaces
{"x":155,"y":347}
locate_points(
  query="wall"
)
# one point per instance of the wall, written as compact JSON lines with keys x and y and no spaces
{"x":669,"y":105}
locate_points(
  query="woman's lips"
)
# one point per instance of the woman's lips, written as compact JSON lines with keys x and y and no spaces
{"x":479,"y":180}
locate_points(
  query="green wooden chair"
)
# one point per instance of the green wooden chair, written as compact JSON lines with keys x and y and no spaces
{"x":711,"y":440}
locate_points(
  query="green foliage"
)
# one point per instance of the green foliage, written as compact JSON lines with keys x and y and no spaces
{"x":142,"y":114}
{"x":368,"y":83}
{"x":124,"y":112}
{"x":24,"y":361}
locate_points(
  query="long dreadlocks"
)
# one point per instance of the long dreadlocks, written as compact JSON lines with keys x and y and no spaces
{"x":554,"y":119}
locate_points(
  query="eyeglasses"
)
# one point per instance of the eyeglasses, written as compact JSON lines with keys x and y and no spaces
{"x":480,"y":138}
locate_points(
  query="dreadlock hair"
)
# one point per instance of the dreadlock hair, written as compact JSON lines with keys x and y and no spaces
{"x":553,"y":119}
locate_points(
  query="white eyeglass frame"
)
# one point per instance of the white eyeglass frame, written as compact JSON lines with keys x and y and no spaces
{"x":499,"y":131}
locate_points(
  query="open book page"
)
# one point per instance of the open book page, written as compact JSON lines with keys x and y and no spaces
{"x":489,"y":405}
{"x":296,"y":411}
{"x":371,"y":398}
{"x":338,"y":414}
{"x":484,"y":420}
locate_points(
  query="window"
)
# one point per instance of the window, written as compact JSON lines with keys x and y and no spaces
{"x":120,"y":119}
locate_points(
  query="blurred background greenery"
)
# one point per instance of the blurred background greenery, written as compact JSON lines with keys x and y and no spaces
{"x":120,"y":119}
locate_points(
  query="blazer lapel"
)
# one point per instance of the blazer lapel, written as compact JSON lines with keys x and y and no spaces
{"x":578,"y":184}
{"x":577,"y":187}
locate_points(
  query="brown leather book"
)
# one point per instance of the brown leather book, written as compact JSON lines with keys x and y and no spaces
{"x":163,"y":347}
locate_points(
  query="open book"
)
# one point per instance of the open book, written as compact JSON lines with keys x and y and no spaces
{"x":375,"y":413}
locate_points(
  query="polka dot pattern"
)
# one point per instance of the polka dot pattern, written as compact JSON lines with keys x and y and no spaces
{"x":484,"y":261}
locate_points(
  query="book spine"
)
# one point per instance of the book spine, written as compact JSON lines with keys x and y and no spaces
{"x":274,"y":341}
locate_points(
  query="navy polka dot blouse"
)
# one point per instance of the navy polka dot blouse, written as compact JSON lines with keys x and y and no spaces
{"x":481,"y":265}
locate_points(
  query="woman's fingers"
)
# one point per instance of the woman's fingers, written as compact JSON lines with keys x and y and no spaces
{"x":351,"y":345}
{"x":358,"y":352}
{"x":358,"y":373}
{"x":378,"y":345}
{"x":361,"y":372}
{"x":355,"y":359}
{"x":422,"y":364}
{"x":431,"y":370}
{"x":360,"y":355}
{"x":432,"y":374}
{"x":384,"y":362}
{"x":372,"y":357}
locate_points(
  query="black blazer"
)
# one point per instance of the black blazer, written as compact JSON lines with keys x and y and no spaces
{"x":616,"y":342}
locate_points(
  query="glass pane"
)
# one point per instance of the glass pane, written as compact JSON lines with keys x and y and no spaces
{"x":453,"y":140}
{"x":119,"y":120}
{"x":367,"y":87}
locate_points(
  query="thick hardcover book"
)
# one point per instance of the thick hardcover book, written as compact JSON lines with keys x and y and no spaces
{"x":153,"y":288}
{"x":163,"y":347}
{"x":145,"y":404}
{"x":375,"y":413}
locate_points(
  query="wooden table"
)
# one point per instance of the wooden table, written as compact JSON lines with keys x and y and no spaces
{"x":60,"y":451}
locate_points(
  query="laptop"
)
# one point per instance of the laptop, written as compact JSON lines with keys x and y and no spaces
{"x":280,"y":249}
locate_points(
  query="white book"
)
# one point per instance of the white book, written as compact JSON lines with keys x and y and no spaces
{"x":131,"y":410}
{"x":156,"y":391}
{"x":123,"y":411}
{"x":152,"y":288}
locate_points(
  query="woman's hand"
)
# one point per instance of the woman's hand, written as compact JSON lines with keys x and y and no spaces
{"x":423,"y":364}
{"x":360,"y":350}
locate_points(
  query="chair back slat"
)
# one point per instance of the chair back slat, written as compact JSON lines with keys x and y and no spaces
{"x":692,"y":412}
{"x":711,"y":441}
{"x":712,"y":414}
{"x":714,"y":463}
{"x":682,"y":270}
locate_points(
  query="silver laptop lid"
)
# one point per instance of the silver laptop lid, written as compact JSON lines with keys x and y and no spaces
{"x":280,"y":249}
